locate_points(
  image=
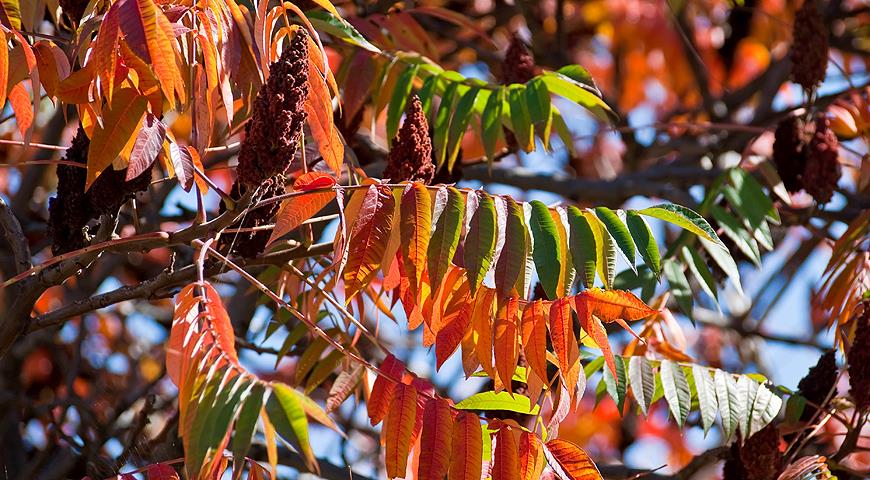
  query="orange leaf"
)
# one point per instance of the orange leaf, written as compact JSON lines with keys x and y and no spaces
{"x":481,"y":324}
{"x":506,"y":343}
{"x":76,"y":88}
{"x":564,"y":341}
{"x":295,"y":210}
{"x":506,"y":463}
{"x":398,"y":429}
{"x":148,"y":33}
{"x":4,"y":68}
{"x":453,"y":281}
{"x":534,"y":329}
{"x":452,"y":333}
{"x":318,"y":105}
{"x":368,"y":239}
{"x":52,"y":63}
{"x":119,"y":124}
{"x":467,"y":454}
{"x":415,"y":227}
{"x":531,"y":458}
{"x":435,"y":444}
{"x":384,"y":389}
{"x":19,"y":99}
{"x":569,"y":461}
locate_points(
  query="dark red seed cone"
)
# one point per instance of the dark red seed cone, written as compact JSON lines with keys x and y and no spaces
{"x":758,"y":458}
{"x":809,"y":49}
{"x":859,"y":359}
{"x":411,"y":155}
{"x":822,"y":170}
{"x":273,"y":133}
{"x":70,"y":210}
{"x":518,"y":65}
{"x":251,"y":244}
{"x":818,"y":382}
{"x":788,"y":152}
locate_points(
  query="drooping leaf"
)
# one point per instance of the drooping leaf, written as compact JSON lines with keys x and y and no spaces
{"x":676,"y":388}
{"x":442,"y":123}
{"x":570,"y":461}
{"x":459,"y":123}
{"x":617,"y":384}
{"x":401,"y":91}
{"x":684,"y":218}
{"x":491,"y":126}
{"x":467,"y":448}
{"x":534,"y":332}
{"x":506,"y":464}
{"x":415,"y":226}
{"x":499,"y":401}
{"x":289,"y":419}
{"x":435,"y":440}
{"x":722,"y":257}
{"x":368,"y":239}
{"x":480,"y":241}
{"x":564,"y":341}
{"x":679,"y":286}
{"x":642,"y":381}
{"x":748,"y":198}
{"x":149,"y":142}
{"x":342,"y":387}
{"x":738,"y":234}
{"x":520,"y":119}
{"x":547,"y":251}
{"x":246,"y":422}
{"x":398,"y":428}
{"x":646,"y":243}
{"x":706,"y":393}
{"x":730,"y":408}
{"x":119,"y":124}
{"x":513,"y":253}
{"x":619,"y":232}
{"x":442,"y":245}
{"x":584,"y":246}
{"x":765,"y":408}
{"x":318,"y":106}
{"x":384,"y":389}
{"x":506,"y":341}
{"x":700,"y":272}
{"x":531,"y":456}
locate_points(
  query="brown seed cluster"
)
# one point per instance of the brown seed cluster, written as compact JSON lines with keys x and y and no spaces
{"x":71,"y":210}
{"x":805,"y":155}
{"x":758,"y":458}
{"x":411,"y":155}
{"x":809,"y":50}
{"x":273,"y":133}
{"x":788,"y":152}
{"x":272,"y":138}
{"x":859,"y":359}
{"x":822,"y":170}
{"x":818,"y":382}
{"x":519,"y":64}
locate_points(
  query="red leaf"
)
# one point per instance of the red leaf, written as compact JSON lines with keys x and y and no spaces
{"x":564,"y":341}
{"x":506,"y":464}
{"x":467,"y":448}
{"x":569,"y":461}
{"x":148,"y":144}
{"x":481,"y":324}
{"x":368,"y":239}
{"x":383,"y":389}
{"x":452,"y":333}
{"x":182,"y":165}
{"x":19,"y":99}
{"x":506,"y":342}
{"x":435,"y":443}
{"x":534,"y":329}
{"x":398,"y":429}
{"x":161,"y":471}
{"x":296,"y":210}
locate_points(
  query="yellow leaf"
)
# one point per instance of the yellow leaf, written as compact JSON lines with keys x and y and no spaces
{"x":119,"y":124}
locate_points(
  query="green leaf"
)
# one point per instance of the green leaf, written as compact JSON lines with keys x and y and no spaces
{"x":513,"y":252}
{"x":619,"y":233}
{"x":764,"y":409}
{"x":749,"y":199}
{"x":520,"y":119}
{"x":730,"y":408}
{"x":499,"y":401}
{"x":701,"y":272}
{"x":646,"y":243}
{"x":459,"y":123}
{"x":593,"y":366}
{"x":579,"y":74}
{"x":583,"y":246}
{"x":326,"y":22}
{"x":442,"y":123}
{"x":491,"y":122}
{"x":323,"y":370}
{"x":679,"y":286}
{"x":547,"y":250}
{"x":246,"y":422}
{"x":309,"y":358}
{"x":722,"y":257}
{"x":399,"y":99}
{"x":684,"y":218}
{"x":426,"y":93}
{"x":288,"y":417}
{"x":705,"y":390}
{"x":579,"y":93}
{"x":213,"y":418}
{"x":538,"y":101}
{"x":480,"y":241}
{"x":738,"y":234}
{"x":616,"y":386}
{"x":442,"y":245}
{"x":676,"y":389}
{"x":643,"y":381}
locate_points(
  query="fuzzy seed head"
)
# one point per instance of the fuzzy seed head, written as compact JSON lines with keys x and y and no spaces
{"x":519,"y":64}
{"x":809,"y":50}
{"x":411,"y":156}
{"x":859,"y":359}
{"x":788,"y":152}
{"x":822,"y":170}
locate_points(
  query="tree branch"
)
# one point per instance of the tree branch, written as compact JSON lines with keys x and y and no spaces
{"x":14,"y":238}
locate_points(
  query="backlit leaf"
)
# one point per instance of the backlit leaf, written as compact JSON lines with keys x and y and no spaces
{"x":289,"y":419}
{"x":617,"y":384}
{"x":569,"y":461}
{"x":513,"y":254}
{"x":384,"y":389}
{"x":435,"y":440}
{"x":415,"y":226}
{"x":520,"y":120}
{"x":467,"y":448}
{"x":442,"y":245}
{"x":706,"y":394}
{"x":584,"y":247}
{"x":730,"y":408}
{"x":619,"y":232}
{"x":642,"y":381}
{"x":398,"y":428}
{"x":401,"y":91}
{"x":480,"y":241}
{"x":506,"y":341}
{"x":499,"y":401}
{"x":506,"y":464}
{"x":646,"y":243}
{"x":676,"y":388}
{"x":534,"y":332}
{"x":318,"y":105}
{"x":564,"y":341}
{"x":531,"y":456}
{"x":368,"y":239}
{"x":547,"y":251}
{"x":119,"y":124}
{"x":299,"y":208}
{"x":682,"y":217}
